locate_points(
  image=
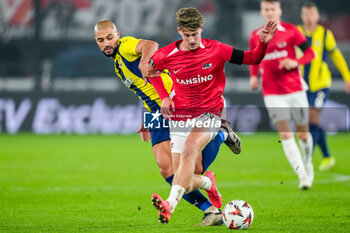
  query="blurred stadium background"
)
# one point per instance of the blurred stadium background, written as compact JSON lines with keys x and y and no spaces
{"x":53,"y":78}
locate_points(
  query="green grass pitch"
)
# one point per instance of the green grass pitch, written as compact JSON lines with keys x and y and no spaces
{"x":95,"y":183}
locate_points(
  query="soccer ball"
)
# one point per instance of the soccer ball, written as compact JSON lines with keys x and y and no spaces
{"x":238,"y":214}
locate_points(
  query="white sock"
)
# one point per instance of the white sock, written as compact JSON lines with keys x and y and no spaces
{"x":175,"y":196}
{"x":306,"y":149}
{"x":293,"y":155}
{"x":211,"y":209}
{"x":206,"y":183}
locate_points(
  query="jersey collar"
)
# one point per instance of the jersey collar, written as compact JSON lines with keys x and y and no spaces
{"x":281,"y":28}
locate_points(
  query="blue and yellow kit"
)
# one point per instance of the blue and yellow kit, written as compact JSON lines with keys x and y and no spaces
{"x":127,"y":69}
{"x":317,"y":74}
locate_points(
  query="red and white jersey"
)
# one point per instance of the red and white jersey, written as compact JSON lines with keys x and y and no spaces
{"x":277,"y":81}
{"x":198,"y":76}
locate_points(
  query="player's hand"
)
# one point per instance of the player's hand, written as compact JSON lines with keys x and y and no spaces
{"x":147,"y":71}
{"x":254,"y":82}
{"x":167,"y":107}
{"x":288,"y":64}
{"x":268,"y":31}
{"x":145,"y":134}
{"x":347,"y":87}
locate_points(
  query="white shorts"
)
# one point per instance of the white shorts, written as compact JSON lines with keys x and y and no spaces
{"x":179,"y":130}
{"x":293,"y":106}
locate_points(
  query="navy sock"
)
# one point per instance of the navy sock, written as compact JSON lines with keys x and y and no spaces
{"x":314,"y":130}
{"x":195,"y":198}
{"x":323,"y":143}
{"x":210,"y":152}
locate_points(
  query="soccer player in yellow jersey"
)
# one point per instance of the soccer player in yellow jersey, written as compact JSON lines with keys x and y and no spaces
{"x":318,"y":76}
{"x":131,"y":58}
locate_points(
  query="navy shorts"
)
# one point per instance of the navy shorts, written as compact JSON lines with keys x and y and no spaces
{"x":318,"y":98}
{"x":160,"y":134}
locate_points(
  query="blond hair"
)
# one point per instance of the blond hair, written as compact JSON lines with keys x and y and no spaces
{"x":189,"y":18}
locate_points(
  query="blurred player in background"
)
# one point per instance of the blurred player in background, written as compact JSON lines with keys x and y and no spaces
{"x":131,"y":58}
{"x":196,"y":66}
{"x":284,"y":95}
{"x":318,"y":76}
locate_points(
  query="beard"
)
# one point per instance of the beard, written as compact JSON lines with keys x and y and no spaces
{"x":110,"y":54}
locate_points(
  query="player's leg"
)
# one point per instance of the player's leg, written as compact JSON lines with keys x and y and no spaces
{"x":194,"y":144}
{"x":184,"y":173}
{"x":197,"y":139}
{"x":212,"y":215}
{"x":211,"y":150}
{"x":163,"y":157}
{"x":292,"y":151}
{"x":300,"y":115}
{"x":280,"y":115}
{"x":314,"y":124}
{"x":185,"y":180}
{"x":200,"y":181}
{"x":306,"y":146}
{"x":316,"y":101}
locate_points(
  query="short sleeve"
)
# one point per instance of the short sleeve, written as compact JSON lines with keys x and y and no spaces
{"x":128,"y":48}
{"x":330,"y":42}
{"x":299,"y":37}
{"x":225,"y":50}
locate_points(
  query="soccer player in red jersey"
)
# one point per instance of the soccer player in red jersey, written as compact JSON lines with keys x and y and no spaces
{"x":284,"y":89}
{"x":131,"y":57}
{"x":196,"y":67}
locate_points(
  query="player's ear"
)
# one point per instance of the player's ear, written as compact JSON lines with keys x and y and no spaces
{"x":201,"y":29}
{"x":179,"y":30}
{"x":118,"y":34}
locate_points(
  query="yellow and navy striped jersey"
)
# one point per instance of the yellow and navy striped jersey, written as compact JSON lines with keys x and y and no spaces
{"x":127,"y":69}
{"x":317,"y":73}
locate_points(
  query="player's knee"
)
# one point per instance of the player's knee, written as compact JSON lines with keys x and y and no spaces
{"x":303,"y":135}
{"x":165,"y":171}
{"x":165,"y":167}
{"x":286,"y":135}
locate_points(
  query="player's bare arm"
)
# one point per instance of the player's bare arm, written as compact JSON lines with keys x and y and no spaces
{"x":147,"y":48}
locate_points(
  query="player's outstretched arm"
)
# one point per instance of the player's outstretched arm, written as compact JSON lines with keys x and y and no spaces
{"x":255,"y":56}
{"x":147,"y":48}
